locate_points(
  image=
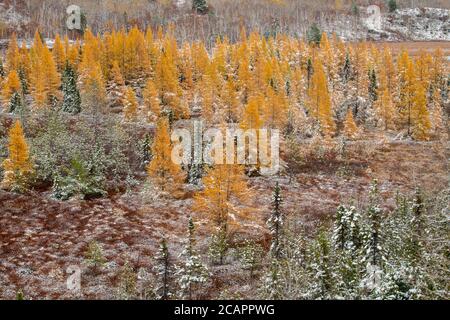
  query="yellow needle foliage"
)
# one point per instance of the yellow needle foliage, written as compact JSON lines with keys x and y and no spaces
{"x":17,"y":167}
{"x":164,"y":172}
{"x":224,"y":191}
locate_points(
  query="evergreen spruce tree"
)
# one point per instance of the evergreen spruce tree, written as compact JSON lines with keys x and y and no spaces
{"x":250,"y":256}
{"x":192,"y":273}
{"x":314,"y":35}
{"x":346,"y":69}
{"x":271,"y":288}
{"x":346,"y":241}
{"x":392,"y":5}
{"x":417,"y":223}
{"x":321,"y":267}
{"x":373,"y":86}
{"x":164,"y":272}
{"x":309,"y":71}
{"x":373,"y":255}
{"x":127,"y":283}
{"x":23,"y":81}
{"x":15,"y":104}
{"x":72,"y":98}
{"x":218,"y":247}
{"x":2,"y":70}
{"x":275,"y":223}
{"x":200,"y":6}
{"x":146,"y":150}
{"x":355,"y":9}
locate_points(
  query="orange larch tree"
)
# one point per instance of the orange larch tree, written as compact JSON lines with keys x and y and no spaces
{"x":18,"y":166}
{"x":131,"y":105}
{"x":164,"y":172}
{"x":220,"y":202}
{"x":152,"y":103}
{"x":320,"y":101}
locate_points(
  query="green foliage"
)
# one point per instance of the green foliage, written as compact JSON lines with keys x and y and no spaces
{"x":164,"y":272}
{"x":392,"y":5}
{"x":200,"y":6}
{"x":23,"y":81}
{"x":2,"y":70}
{"x":80,"y":179}
{"x":250,"y":256}
{"x":94,"y":255}
{"x":145,"y":148}
{"x":355,"y":9}
{"x":373,"y":85}
{"x":218,"y":247}
{"x":314,"y":35}
{"x":15,"y":104}
{"x":275,"y":223}
{"x":372,"y":255}
{"x":192,"y":273}
{"x":83,"y":160}
{"x":127,"y":279}
{"x":72,"y":99}
{"x":19,"y":295}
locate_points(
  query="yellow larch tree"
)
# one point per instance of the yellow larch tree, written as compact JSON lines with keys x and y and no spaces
{"x":230,"y":101}
{"x":320,"y":101}
{"x":116,"y":87}
{"x":388,"y":67}
{"x":438,"y":70}
{"x":59,"y":53}
{"x":438,"y":118}
{"x":152,"y":103}
{"x":207,"y":93}
{"x":386,"y":110}
{"x":350,"y":127}
{"x":12,"y":55}
{"x":275,"y":108}
{"x":220,"y":202}
{"x":251,"y":117}
{"x":131,"y":105}
{"x":44,"y":77}
{"x":420,"y":117}
{"x":164,"y":172}
{"x":18,"y":166}
{"x":423,"y":68}
{"x":73,"y":52}
{"x":407,"y":86}
{"x":11,"y":85}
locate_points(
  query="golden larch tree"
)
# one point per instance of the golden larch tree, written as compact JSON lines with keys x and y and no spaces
{"x":225,"y":189}
{"x":420,"y":116}
{"x":350,"y":127}
{"x":152,"y":103}
{"x":438,"y":118}
{"x":386,"y":110}
{"x":59,"y":54}
{"x":18,"y":166}
{"x":166,"y":174}
{"x":11,"y":85}
{"x":116,"y":87}
{"x":131,"y":105}
{"x":12,"y":55}
{"x":320,"y":100}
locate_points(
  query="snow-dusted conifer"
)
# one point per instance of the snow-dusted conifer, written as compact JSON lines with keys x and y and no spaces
{"x":275,"y":223}
{"x":15,"y":103}
{"x":72,"y":98}
{"x":164,"y":272}
{"x":192,"y":273}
